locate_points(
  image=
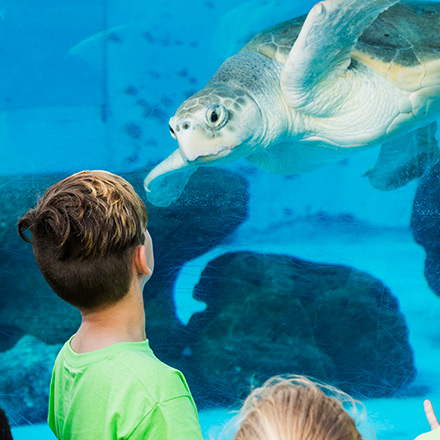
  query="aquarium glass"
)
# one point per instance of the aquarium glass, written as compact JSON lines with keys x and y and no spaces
{"x":257,"y":274}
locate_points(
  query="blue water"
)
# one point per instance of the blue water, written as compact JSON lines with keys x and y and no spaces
{"x":65,"y":105}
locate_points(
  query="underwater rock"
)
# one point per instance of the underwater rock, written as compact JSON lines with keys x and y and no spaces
{"x":425,"y":224}
{"x":203,"y":217}
{"x":25,"y":373}
{"x":5,"y":429}
{"x":275,"y":314}
{"x":25,"y":297}
{"x":9,"y":335}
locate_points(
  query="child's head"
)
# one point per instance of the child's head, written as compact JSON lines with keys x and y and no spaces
{"x":84,"y":231}
{"x":296,"y":408}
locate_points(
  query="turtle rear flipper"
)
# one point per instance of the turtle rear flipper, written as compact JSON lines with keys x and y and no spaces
{"x":405,"y":159}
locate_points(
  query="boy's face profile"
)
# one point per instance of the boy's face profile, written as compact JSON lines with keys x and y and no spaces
{"x":143,"y":259}
{"x":149,"y":255}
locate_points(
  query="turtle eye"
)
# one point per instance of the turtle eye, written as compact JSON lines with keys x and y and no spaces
{"x":216,"y":115}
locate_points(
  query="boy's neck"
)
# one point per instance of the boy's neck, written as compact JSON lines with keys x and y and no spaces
{"x":123,"y":321}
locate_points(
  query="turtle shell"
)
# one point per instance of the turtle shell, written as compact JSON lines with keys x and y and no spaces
{"x":402,"y":44}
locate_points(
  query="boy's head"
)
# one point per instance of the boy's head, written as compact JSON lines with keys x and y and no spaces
{"x":84,"y":231}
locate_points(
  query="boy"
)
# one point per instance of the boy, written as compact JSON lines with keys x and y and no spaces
{"x":90,"y":241}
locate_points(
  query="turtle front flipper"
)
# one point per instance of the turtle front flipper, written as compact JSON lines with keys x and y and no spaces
{"x":165,"y":182}
{"x":405,"y":159}
{"x":321,"y":54}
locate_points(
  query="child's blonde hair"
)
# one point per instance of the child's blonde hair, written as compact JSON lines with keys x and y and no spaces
{"x":297,"y":408}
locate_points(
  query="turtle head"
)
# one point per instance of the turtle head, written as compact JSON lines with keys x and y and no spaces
{"x":220,"y":123}
{"x":217,"y":125}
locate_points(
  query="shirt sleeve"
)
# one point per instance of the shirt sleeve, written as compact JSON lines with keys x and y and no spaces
{"x":174,"y":419}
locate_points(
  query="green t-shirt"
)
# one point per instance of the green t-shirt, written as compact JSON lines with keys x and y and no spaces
{"x":120,"y":392}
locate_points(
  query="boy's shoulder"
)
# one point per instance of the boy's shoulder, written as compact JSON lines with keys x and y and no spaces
{"x":131,"y":381}
{"x":141,"y":361}
{"x":131,"y":364}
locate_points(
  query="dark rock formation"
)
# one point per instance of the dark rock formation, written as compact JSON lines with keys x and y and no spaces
{"x":425,"y":224}
{"x":212,"y":207}
{"x":274,"y":314}
{"x":27,"y":304}
{"x":25,"y":373}
{"x":5,"y":429}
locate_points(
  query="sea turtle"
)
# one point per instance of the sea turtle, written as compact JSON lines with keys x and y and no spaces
{"x":311,"y":90}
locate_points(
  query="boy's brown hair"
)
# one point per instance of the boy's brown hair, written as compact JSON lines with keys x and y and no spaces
{"x":84,"y":231}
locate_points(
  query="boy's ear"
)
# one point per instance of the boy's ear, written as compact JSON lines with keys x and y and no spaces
{"x":140,"y":261}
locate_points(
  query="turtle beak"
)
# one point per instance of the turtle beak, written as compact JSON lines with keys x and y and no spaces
{"x":222,"y":152}
{"x":192,"y":153}
{"x":191,"y":139}
{"x":197,"y":145}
